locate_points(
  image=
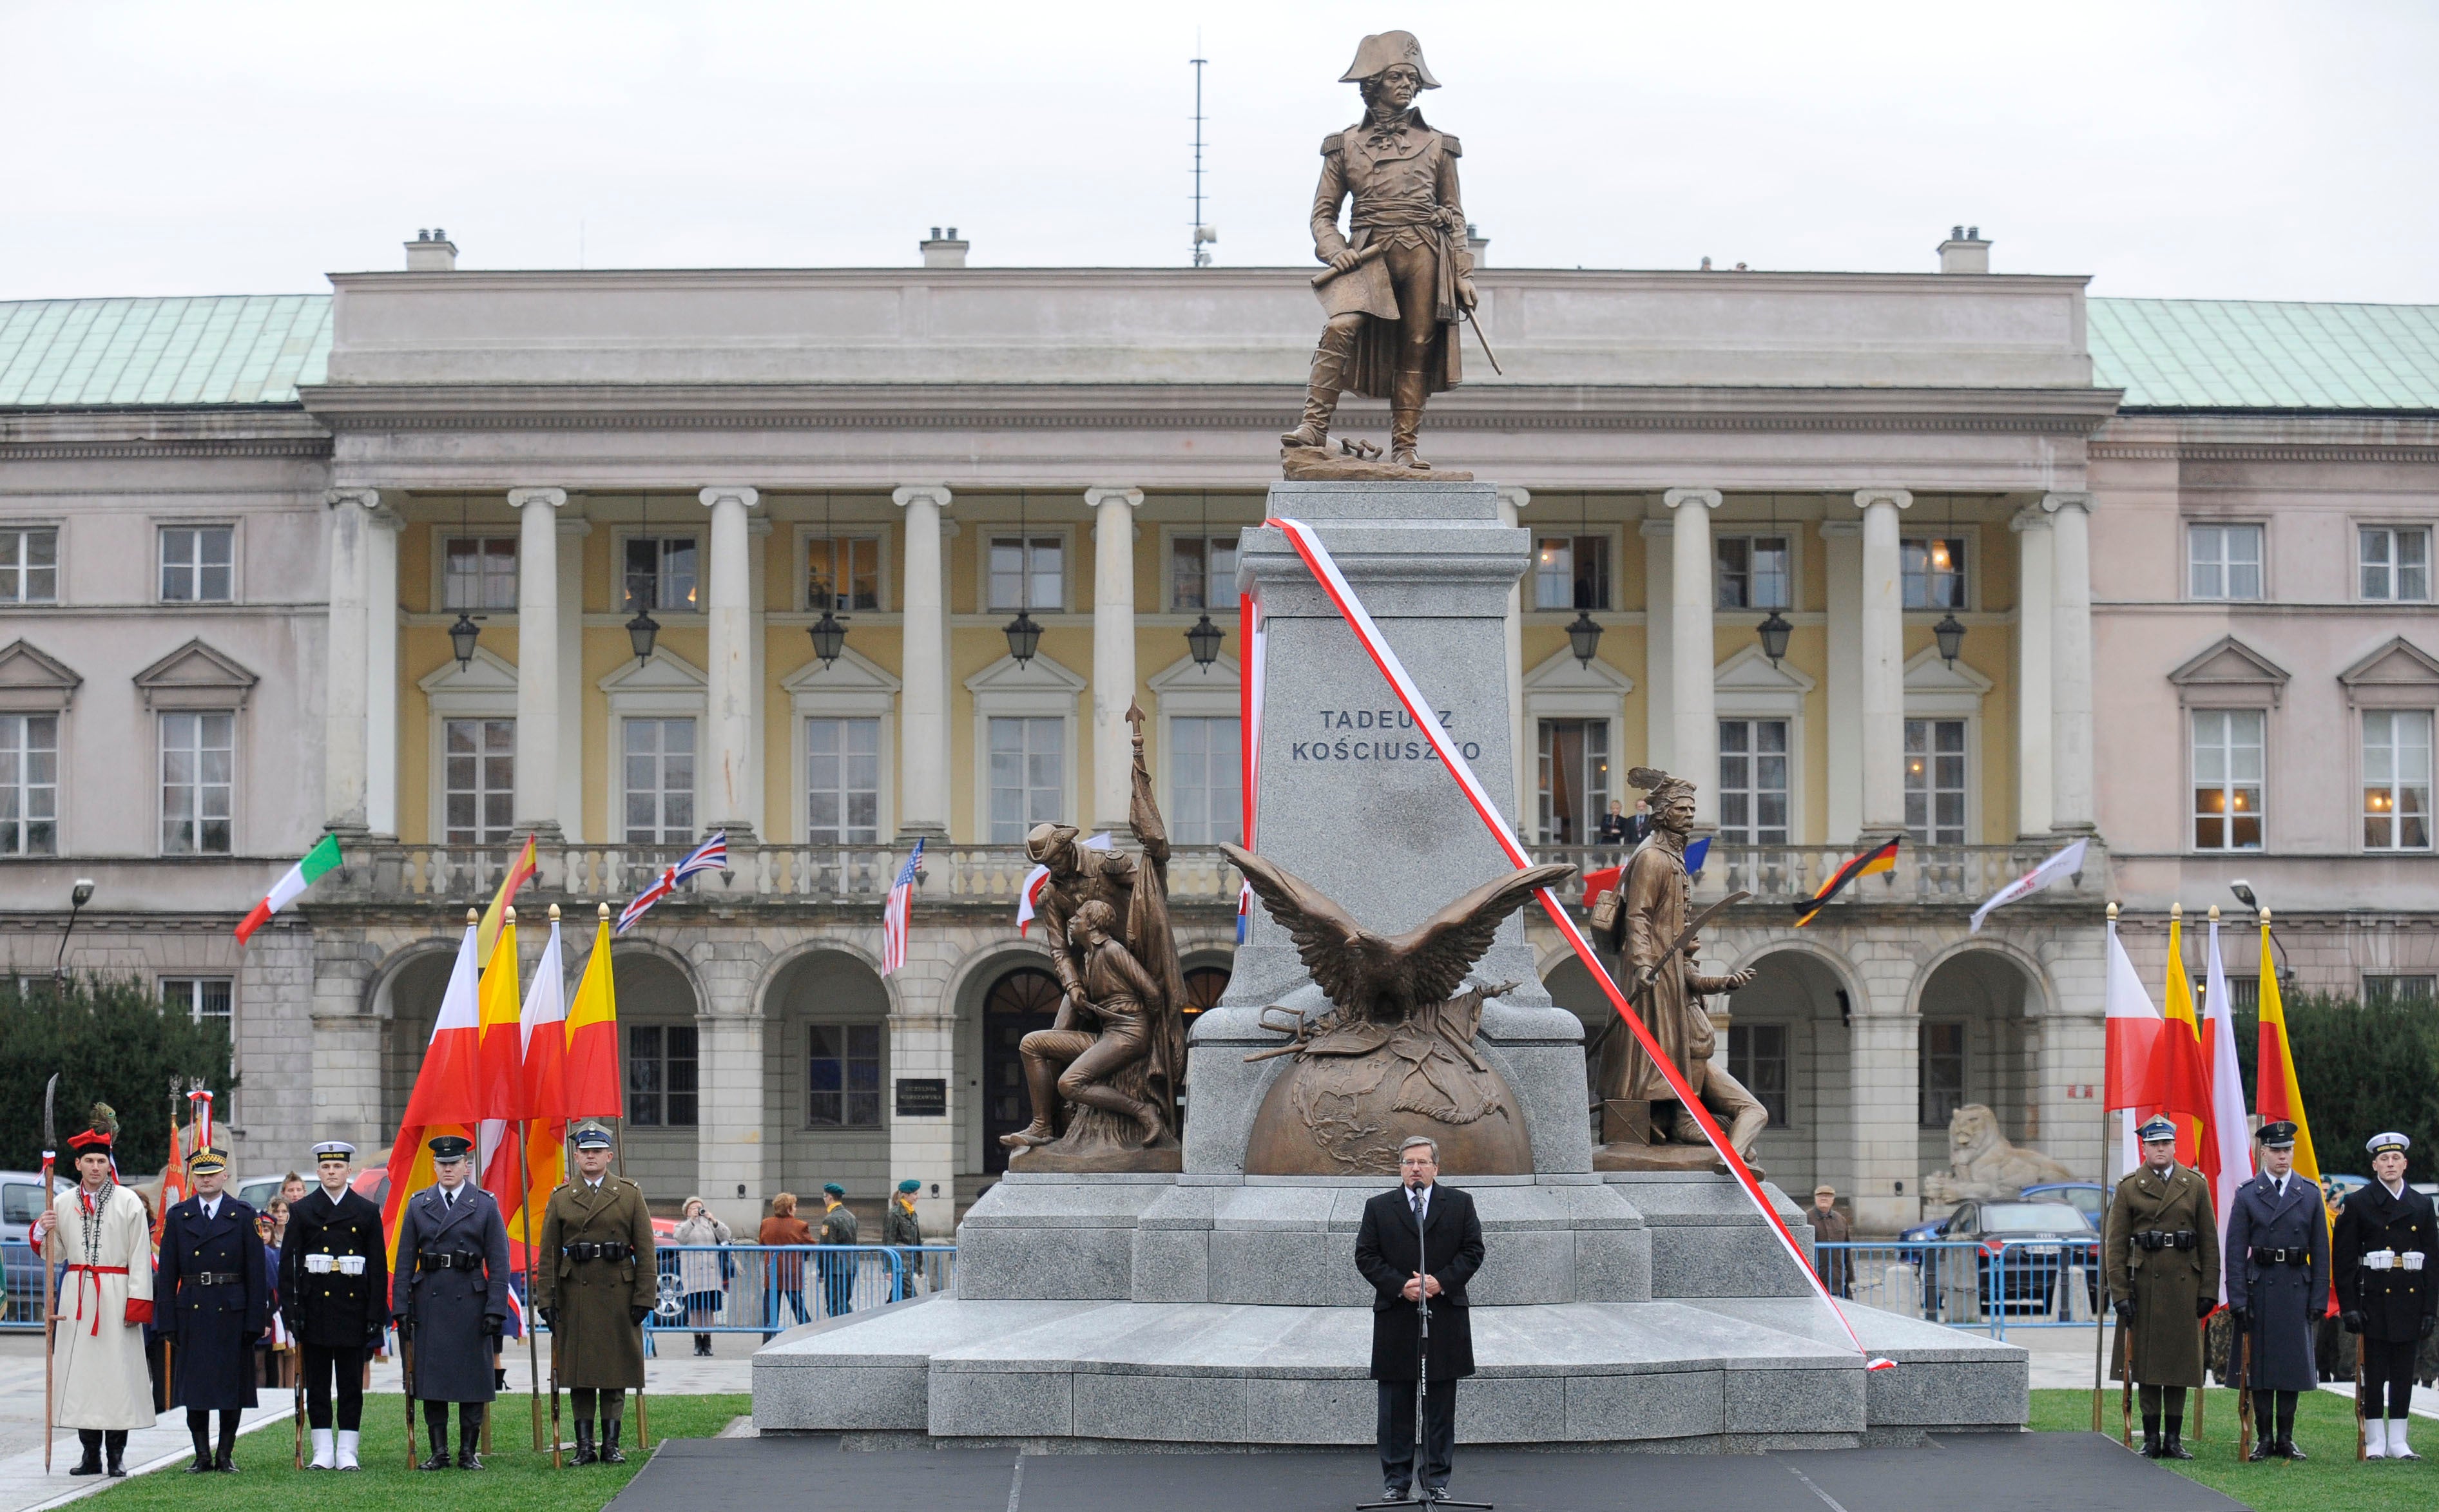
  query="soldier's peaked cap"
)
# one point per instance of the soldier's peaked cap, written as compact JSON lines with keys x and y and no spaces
{"x":592,"y":1136}
{"x":450,"y":1147}
{"x":1383,"y":51}
{"x":2279,"y":1135}
{"x":2154,"y":1129}
{"x":202,"y":1161}
{"x":2391,"y":1143}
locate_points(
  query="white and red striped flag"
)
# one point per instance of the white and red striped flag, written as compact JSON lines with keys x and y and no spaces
{"x":1254,"y":636}
{"x":2226,"y":1142}
{"x":2130,"y":1067}
{"x":895,"y":917}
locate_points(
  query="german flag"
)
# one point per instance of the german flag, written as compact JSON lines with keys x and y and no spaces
{"x":1884,"y":859}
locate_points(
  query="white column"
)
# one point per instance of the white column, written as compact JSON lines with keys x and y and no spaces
{"x":380,"y":671}
{"x":1693,"y":660}
{"x":1113,"y":651}
{"x":2071,"y":806}
{"x":726,"y":776}
{"x":571,"y":686}
{"x":1882,"y":644}
{"x":758,"y":537}
{"x":2036,"y":593}
{"x":923,"y":722}
{"x":1512,"y":500}
{"x":344,"y":754}
{"x":1841,"y":560}
{"x":1659,"y":646}
{"x":537,"y":787}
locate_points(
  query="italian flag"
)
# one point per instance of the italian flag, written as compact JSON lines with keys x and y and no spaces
{"x":322,"y":858}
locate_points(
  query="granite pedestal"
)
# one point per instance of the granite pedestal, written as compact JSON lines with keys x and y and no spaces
{"x":1213,"y":1308}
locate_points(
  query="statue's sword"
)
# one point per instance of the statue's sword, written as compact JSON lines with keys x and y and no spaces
{"x":1642,"y":982}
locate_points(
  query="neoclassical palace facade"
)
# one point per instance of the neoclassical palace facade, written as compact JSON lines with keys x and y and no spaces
{"x":2034,"y":566}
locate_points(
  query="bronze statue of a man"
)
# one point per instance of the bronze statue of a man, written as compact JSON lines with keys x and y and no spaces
{"x":1653,"y":911}
{"x":1086,"y":1065}
{"x":1400,"y":276}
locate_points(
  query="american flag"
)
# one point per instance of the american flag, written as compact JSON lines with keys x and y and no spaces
{"x":712,"y":855}
{"x":894,"y":918}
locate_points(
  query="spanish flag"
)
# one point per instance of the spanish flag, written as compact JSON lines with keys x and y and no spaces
{"x":1882,"y":860}
{"x":595,"y":1076}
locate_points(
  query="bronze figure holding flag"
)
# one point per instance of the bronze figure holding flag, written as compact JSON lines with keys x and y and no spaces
{"x":1657,"y":952}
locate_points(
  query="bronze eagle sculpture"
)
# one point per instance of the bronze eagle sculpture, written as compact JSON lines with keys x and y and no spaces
{"x":1373,"y":978}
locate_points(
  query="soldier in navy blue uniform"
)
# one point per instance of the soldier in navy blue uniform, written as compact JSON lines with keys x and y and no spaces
{"x":449,"y":1296}
{"x":214,"y":1292}
{"x":2277,"y":1284}
{"x":2387,"y":1253}
{"x":334,"y":1294}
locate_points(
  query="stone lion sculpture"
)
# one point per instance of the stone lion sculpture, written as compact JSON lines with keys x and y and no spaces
{"x":1983,"y":1165}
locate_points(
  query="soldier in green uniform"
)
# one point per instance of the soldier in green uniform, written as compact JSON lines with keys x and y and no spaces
{"x":595,"y":1285}
{"x":837,"y":1267}
{"x":900,"y":1227}
{"x":2162,"y":1248}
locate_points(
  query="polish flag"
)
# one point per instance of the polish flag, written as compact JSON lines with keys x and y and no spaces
{"x":2130,"y":1062}
{"x":2227,"y":1146}
{"x":448,"y":1097}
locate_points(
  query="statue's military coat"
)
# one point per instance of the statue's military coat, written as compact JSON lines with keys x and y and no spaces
{"x":2280,"y":1301}
{"x":1653,"y":902}
{"x":330,"y":1309}
{"x":2395,"y":1303}
{"x":1403,"y":181}
{"x":2164,"y":1347}
{"x":594,"y":1337}
{"x":455,"y":1313}
{"x":211,"y":1323}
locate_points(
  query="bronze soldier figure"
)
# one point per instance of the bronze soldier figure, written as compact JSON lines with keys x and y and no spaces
{"x":1401,"y":276}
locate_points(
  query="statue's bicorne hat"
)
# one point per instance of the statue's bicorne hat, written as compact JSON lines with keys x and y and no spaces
{"x":1383,"y":51}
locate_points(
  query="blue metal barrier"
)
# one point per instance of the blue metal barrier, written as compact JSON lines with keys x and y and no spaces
{"x":1990,"y":1284}
{"x":24,"y":1310}
{"x":764,"y":1290}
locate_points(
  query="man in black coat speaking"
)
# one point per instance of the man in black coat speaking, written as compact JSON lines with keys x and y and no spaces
{"x":1421,"y":1240}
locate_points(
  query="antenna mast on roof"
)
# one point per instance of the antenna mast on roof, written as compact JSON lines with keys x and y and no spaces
{"x":1204,"y":234}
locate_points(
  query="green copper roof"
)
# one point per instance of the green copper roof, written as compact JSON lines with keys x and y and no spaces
{"x":2258,"y":355}
{"x":218,"y":349}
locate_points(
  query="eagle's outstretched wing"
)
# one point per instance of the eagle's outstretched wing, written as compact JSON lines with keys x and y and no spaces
{"x":1433,"y":959}
{"x":1345,"y":959}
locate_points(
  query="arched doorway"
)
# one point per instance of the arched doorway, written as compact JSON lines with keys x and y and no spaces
{"x":1980,"y":1043}
{"x":414,"y":993}
{"x":1019,"y":1002}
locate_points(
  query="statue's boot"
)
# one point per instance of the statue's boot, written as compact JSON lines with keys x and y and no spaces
{"x":1406,"y":417}
{"x":1330,"y":363}
{"x":1036,"y":1133}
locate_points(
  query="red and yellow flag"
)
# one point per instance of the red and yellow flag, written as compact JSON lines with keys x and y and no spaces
{"x":500,"y":1071}
{"x":2278,"y":1095}
{"x":596,"y":1075}
{"x":2184,"y":1090}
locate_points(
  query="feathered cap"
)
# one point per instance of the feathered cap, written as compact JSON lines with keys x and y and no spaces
{"x":1662,"y":787}
{"x":103,"y":1132}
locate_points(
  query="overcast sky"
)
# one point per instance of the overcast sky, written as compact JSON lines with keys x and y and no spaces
{"x":2224,"y":149}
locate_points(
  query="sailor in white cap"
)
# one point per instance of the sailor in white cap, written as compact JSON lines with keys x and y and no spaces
{"x":334,"y":1297}
{"x":2386,"y":1255}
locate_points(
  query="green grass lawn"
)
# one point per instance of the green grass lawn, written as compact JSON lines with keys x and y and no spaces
{"x":2325,"y":1429}
{"x":513,"y":1479}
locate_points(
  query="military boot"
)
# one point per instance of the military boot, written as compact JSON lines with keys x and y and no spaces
{"x":199,"y":1430}
{"x":470,"y":1435}
{"x":2150,"y":1435}
{"x":437,"y":1430}
{"x":584,"y":1454}
{"x":114,"y":1443}
{"x":1330,"y":364}
{"x":1406,"y":419}
{"x":91,"y":1465}
{"x":2172,"y":1444}
{"x":609,"y":1452}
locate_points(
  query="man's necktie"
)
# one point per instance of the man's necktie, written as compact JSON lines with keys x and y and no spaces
{"x":1419,"y":1204}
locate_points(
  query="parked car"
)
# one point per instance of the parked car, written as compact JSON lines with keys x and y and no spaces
{"x":2089,"y":1199}
{"x":21,"y":1203}
{"x":2031,"y":1244}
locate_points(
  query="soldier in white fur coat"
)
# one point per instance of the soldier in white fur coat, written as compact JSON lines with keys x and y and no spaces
{"x":97,"y":1229}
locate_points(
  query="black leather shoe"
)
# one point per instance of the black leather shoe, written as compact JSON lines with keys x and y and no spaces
{"x":2173,"y":1448}
{"x":437,"y":1460}
{"x":2287,"y":1448}
{"x":2263,"y":1450}
{"x":221,"y":1462}
{"x":469,"y":1460}
{"x":203,"y":1466}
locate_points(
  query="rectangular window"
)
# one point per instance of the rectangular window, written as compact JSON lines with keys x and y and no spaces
{"x":1205,"y":795}
{"x":196,"y":563}
{"x":1752,"y":782}
{"x":661,"y":1069}
{"x":1028,"y":572}
{"x":842,"y":1077}
{"x":30,"y":566}
{"x":2243,"y":994}
{"x":203,"y":999}
{"x":842,"y":782}
{"x":1570,"y":572}
{"x":1758,"y":1058}
{"x":478,"y":572}
{"x":1934,"y":781}
{"x":1202,"y":572}
{"x":29,"y":783}
{"x":1574,"y":780}
{"x":2227,"y":780}
{"x":1933,"y":572}
{"x":2396,"y":779}
{"x":661,"y":572}
{"x":198,"y":762}
{"x":843,"y":574}
{"x":2395,"y":562}
{"x":2224,"y":562}
{"x":659,"y":781}
{"x":479,"y":776}
{"x":1754,"y":572}
{"x":2391,"y":990}
{"x":1029,"y":775}
{"x":1942,"y":1073}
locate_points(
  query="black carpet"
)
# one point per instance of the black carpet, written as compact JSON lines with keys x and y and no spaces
{"x":2015,"y":1472}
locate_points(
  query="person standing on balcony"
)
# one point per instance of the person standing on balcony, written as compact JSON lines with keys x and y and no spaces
{"x":2161,"y":1246}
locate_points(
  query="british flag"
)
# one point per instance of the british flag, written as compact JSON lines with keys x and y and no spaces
{"x":895,"y":916}
{"x":712,"y":855}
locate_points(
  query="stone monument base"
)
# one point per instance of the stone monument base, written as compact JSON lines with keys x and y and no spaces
{"x":1317,"y":464}
{"x":1150,"y":1160}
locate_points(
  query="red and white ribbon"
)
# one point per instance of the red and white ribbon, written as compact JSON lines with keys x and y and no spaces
{"x":1316,"y":557}
{"x":199,"y":1109}
{"x":1253,"y":638}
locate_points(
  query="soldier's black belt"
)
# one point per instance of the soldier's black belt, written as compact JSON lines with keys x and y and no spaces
{"x":608,"y":1250}
{"x":448,"y":1262}
{"x":2165,"y":1240}
{"x":2281,"y":1257}
{"x":214,"y":1278}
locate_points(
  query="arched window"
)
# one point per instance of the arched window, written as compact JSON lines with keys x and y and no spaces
{"x":1025,"y":1000}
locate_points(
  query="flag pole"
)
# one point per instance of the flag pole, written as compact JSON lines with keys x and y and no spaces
{"x":524,"y":1219}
